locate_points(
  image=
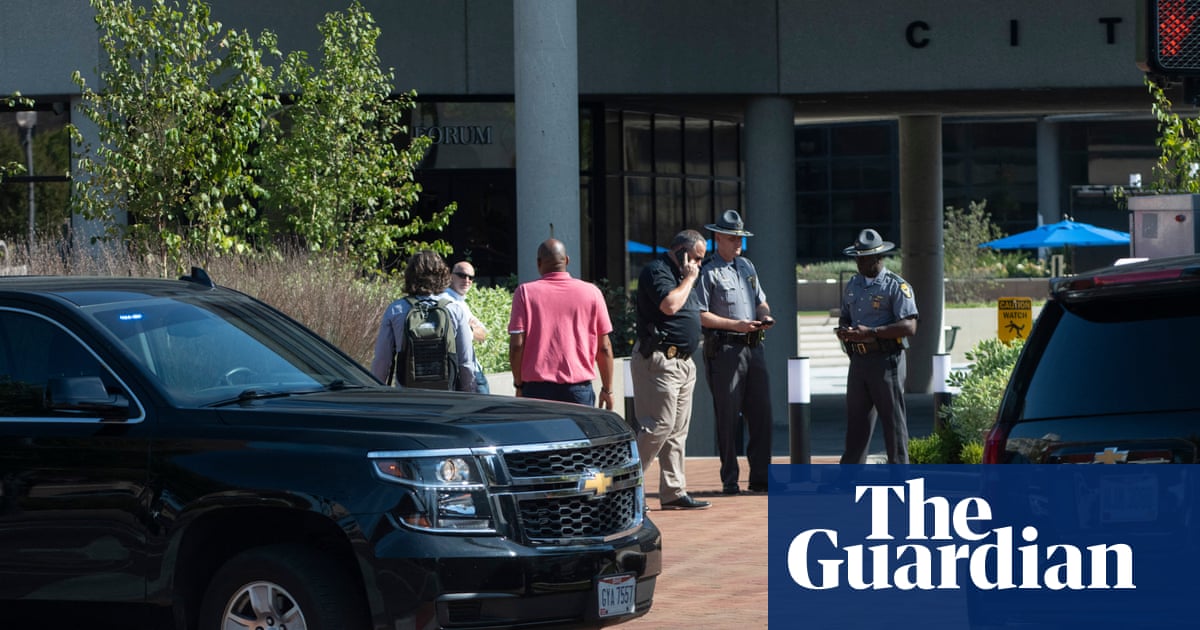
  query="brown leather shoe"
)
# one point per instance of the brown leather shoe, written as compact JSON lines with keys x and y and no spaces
{"x":686,"y":503}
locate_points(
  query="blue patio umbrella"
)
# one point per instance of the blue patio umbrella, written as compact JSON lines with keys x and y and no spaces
{"x":1066,"y":233}
{"x":635,"y":247}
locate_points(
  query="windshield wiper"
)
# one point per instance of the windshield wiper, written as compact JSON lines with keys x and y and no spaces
{"x":339,"y":385}
{"x":251,"y":394}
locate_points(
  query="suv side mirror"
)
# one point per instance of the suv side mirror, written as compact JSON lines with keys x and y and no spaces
{"x":85,"y":395}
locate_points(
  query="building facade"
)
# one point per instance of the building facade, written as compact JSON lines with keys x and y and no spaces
{"x":816,"y":119}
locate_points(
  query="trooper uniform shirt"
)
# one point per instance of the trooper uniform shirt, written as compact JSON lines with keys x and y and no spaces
{"x":736,"y":369}
{"x":730,"y":289}
{"x":877,"y":301}
{"x":876,"y":376}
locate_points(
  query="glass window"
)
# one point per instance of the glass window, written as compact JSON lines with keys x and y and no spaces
{"x":699,"y":201}
{"x":860,"y":173}
{"x":1077,"y":374}
{"x":863,"y":209}
{"x":34,"y":352}
{"x":668,"y":208}
{"x":587,"y":147}
{"x":812,"y":175}
{"x":872,"y":139}
{"x":812,"y":142}
{"x":612,"y":141}
{"x":639,"y":204}
{"x":726,"y":148}
{"x":812,"y":209}
{"x":697,"y":146}
{"x":637,"y":142}
{"x":668,"y":144}
{"x":727,"y":195}
{"x":40,"y":137}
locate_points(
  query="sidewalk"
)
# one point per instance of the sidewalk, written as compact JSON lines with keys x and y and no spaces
{"x":714,"y":561}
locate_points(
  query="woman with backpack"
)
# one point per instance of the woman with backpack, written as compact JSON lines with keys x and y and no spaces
{"x":424,"y":339}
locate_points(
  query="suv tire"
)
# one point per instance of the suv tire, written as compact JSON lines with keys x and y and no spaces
{"x":305,"y":591}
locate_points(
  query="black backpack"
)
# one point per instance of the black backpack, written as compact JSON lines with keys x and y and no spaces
{"x":428,"y":358}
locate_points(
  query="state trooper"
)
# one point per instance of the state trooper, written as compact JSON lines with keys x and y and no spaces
{"x":734,"y":314}
{"x":878,"y":315}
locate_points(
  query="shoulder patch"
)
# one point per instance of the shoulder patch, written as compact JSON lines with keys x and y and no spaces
{"x":906,"y":290}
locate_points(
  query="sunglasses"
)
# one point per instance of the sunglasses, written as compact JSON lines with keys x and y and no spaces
{"x":464,"y":276}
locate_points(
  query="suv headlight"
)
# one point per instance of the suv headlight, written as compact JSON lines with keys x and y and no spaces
{"x":448,"y":492}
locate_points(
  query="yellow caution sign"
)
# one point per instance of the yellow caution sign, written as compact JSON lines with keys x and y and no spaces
{"x":1014,"y":318}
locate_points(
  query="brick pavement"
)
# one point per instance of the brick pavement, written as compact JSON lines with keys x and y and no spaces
{"x":714,"y":561}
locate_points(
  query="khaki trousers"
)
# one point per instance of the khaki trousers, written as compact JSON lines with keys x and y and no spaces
{"x":662,"y":401}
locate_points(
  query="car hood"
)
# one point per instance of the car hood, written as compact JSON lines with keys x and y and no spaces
{"x":393,"y":419}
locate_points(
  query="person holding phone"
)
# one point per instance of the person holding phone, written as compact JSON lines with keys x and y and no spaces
{"x":664,"y":375}
{"x":735,"y":315}
{"x":878,"y":315}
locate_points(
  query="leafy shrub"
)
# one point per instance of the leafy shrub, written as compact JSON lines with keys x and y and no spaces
{"x":940,"y":447}
{"x":622,"y":310}
{"x":492,"y":306}
{"x":972,"y":411}
{"x":971,"y":453}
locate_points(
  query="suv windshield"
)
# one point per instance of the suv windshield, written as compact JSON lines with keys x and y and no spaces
{"x":208,"y":349}
{"x":1114,"y":356}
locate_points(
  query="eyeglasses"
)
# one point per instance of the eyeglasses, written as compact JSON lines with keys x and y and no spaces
{"x":464,"y":276}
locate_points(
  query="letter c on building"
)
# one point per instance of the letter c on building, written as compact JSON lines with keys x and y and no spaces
{"x":910,"y":34}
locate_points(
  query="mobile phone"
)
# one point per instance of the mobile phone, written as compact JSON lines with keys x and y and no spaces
{"x":680,"y":255}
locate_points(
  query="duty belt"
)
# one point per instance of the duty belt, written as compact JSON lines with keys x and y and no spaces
{"x":751,"y":339}
{"x":869,"y":347}
{"x":671,"y":351}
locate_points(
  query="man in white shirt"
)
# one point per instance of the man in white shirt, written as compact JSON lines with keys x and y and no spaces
{"x":462,"y":278}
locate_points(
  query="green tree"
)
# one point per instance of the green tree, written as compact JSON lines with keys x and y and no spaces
{"x":1179,"y":142}
{"x":196,"y":144}
{"x":182,"y":105}
{"x":338,"y":178}
{"x":965,"y":263}
{"x":13,"y":167}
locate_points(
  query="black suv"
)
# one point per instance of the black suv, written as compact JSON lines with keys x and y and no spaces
{"x":181,"y":448}
{"x":1106,"y":374}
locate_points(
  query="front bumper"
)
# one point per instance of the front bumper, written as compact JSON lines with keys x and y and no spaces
{"x":418,"y":580}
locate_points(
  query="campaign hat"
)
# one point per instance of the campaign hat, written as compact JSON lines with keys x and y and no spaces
{"x":729,"y":223}
{"x":869,"y":243}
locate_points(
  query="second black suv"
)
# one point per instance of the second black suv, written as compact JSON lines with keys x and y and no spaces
{"x":176,"y":447}
{"x":1106,"y":374}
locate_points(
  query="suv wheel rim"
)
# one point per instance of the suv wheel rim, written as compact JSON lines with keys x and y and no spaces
{"x":265,"y":606}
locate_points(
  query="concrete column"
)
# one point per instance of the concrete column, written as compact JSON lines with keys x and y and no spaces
{"x":87,"y":235}
{"x":546,"y":91}
{"x":921,"y":226}
{"x":770,"y":151}
{"x":1049,"y":175}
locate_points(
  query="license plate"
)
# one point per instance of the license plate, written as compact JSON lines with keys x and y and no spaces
{"x":617,"y":594}
{"x":1128,"y":499}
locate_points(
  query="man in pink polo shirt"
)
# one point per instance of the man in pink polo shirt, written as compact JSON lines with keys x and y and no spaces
{"x":558,"y":334}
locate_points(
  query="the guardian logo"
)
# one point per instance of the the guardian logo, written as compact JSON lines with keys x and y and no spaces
{"x":954,"y":547}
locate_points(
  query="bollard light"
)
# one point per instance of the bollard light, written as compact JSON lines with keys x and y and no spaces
{"x":799,"y":414}
{"x":630,"y":414}
{"x":941,"y":389}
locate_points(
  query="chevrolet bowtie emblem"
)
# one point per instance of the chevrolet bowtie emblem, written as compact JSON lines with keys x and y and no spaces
{"x":1110,"y":455}
{"x":597,"y":482}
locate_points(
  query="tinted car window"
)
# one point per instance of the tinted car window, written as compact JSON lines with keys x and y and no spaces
{"x":203,"y":351}
{"x":32,"y":351}
{"x":1116,"y":357}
